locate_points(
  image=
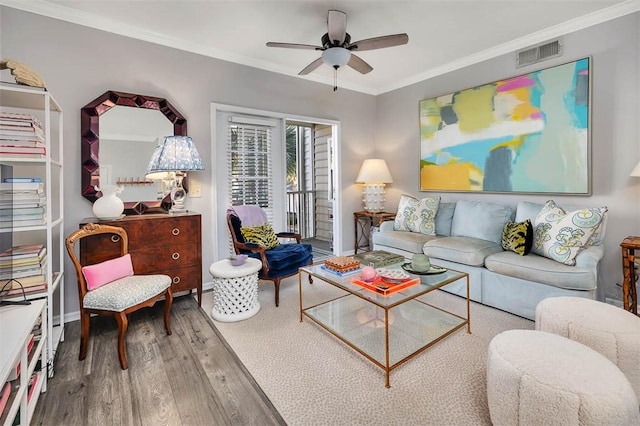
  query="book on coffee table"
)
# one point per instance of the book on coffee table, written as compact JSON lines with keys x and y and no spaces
{"x":378,"y":258}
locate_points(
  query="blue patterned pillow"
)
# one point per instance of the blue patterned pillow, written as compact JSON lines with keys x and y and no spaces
{"x":560,"y":236}
{"x":417,"y":215}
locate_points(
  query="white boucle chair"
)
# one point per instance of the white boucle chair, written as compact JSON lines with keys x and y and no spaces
{"x":539,"y":378}
{"x":612,"y":331}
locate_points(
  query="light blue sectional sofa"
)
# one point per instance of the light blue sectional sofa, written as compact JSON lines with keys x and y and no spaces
{"x":468,"y":238}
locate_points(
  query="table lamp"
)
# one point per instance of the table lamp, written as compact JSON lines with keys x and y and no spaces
{"x":170,"y":161}
{"x":374,"y":174}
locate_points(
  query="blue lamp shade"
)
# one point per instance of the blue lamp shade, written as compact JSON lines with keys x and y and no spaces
{"x":174,"y":154}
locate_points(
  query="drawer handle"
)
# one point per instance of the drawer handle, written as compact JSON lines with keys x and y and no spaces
{"x":175,"y":231}
{"x":176,"y":280}
{"x":115,"y":238}
{"x":175,"y":256}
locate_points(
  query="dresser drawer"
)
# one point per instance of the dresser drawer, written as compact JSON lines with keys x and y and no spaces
{"x":183,"y":279}
{"x":150,"y":258}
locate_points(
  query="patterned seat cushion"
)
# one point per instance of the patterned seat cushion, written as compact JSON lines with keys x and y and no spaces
{"x":126,"y":292}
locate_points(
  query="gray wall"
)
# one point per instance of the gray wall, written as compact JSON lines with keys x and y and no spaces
{"x":79,"y":64}
{"x":614,"y":48}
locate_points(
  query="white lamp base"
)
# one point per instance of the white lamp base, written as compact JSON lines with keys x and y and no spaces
{"x":373,"y":197}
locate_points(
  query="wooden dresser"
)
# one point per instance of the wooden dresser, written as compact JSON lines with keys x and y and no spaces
{"x":158,"y":243}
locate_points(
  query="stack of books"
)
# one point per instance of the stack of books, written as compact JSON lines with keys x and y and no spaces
{"x":22,"y":202}
{"x":23,"y":268}
{"x":21,"y":135}
{"x":13,"y":381}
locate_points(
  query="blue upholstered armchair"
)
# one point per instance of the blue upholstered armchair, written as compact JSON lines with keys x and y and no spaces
{"x":278,"y":262}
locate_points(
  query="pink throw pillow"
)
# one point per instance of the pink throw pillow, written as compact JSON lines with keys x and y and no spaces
{"x":110,"y":270}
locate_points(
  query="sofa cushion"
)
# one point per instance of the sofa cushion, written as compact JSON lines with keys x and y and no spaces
{"x":403,"y":240}
{"x":518,"y":237}
{"x":444,"y":217}
{"x":561,"y":235}
{"x":417,"y":215}
{"x":479,"y":219}
{"x":465,"y":250}
{"x":542,"y":270}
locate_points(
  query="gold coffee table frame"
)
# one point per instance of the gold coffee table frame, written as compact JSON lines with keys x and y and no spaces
{"x":387,"y":330}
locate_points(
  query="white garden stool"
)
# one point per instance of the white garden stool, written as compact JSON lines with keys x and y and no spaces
{"x":235,"y":290}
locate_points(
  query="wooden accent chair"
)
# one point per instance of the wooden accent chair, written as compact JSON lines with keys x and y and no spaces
{"x":119,"y":297}
{"x":277,"y":263}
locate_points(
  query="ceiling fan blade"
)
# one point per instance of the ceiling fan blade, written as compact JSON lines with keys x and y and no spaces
{"x":294,"y":46}
{"x":337,"y":26}
{"x":311,"y":67}
{"x":359,"y":65}
{"x":379,"y":42}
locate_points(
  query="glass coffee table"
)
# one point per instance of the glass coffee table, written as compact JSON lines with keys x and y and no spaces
{"x":390,"y":329}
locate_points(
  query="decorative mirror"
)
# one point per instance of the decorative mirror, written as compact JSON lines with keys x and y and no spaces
{"x":123,"y":129}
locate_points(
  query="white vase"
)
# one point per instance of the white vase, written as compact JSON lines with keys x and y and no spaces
{"x":109,"y":206}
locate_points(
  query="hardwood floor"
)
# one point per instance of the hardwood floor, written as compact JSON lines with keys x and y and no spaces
{"x":189,"y":378}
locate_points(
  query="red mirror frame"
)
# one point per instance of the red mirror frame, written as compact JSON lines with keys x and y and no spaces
{"x":90,"y":142}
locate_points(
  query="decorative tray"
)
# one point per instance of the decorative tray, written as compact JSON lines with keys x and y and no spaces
{"x":433,"y":271}
{"x":385,"y":288}
{"x":393,"y":275}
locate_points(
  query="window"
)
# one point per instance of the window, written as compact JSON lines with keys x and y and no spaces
{"x":250,"y":180}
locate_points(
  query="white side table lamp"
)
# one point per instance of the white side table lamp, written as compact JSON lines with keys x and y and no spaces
{"x":374,"y":174}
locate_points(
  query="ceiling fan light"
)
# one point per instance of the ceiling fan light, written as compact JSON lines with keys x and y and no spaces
{"x":336,"y":56}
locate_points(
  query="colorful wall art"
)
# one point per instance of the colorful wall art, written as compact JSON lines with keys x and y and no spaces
{"x":526,"y":134}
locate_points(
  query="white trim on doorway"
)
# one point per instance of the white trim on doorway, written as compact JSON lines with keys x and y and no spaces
{"x":217,"y":153}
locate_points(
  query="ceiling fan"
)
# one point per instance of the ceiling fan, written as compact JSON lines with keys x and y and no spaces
{"x":337,"y":48}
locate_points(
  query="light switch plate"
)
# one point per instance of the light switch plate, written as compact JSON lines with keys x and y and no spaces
{"x":195,"y":190}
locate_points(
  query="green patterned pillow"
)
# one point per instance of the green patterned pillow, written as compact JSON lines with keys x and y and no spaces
{"x":262,"y":235}
{"x":417,"y":215}
{"x":560,"y":236}
{"x":518,"y":237}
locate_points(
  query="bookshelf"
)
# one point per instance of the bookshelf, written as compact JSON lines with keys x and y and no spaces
{"x":14,"y":350}
{"x":40,"y":103}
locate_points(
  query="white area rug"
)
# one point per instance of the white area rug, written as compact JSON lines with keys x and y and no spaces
{"x":313,"y":378}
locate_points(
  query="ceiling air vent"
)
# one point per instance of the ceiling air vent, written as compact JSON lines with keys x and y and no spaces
{"x":538,"y":53}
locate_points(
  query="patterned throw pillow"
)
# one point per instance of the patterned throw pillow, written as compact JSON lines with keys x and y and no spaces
{"x":262,"y":235}
{"x":417,"y":215}
{"x":518,"y":237}
{"x":560,"y":236}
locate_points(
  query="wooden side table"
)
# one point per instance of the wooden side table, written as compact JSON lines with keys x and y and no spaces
{"x":363,"y":222}
{"x":629,"y":246}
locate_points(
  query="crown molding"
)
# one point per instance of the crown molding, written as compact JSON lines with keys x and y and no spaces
{"x":64,"y":13}
{"x":604,"y":15}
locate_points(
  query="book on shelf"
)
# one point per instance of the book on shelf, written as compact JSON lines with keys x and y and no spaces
{"x":4,"y":396}
{"x":27,"y":291}
{"x":23,"y":251}
{"x":15,"y":371}
{"x":20,"y":116}
{"x":22,"y":186}
{"x":22,"y":223}
{"x":22,"y":179}
{"x":9,"y":273}
{"x":25,"y":282}
{"x":32,"y":385}
{"x":21,"y":211}
{"x":20,"y":150}
{"x":7,"y":262}
{"x":378,"y":258}
{"x":19,"y":217}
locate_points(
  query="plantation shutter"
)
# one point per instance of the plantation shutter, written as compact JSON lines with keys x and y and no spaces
{"x":249,"y":145}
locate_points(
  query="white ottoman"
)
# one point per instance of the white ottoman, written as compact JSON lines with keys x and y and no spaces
{"x":235,"y":290}
{"x":538,"y":378}
{"x":612,"y":331}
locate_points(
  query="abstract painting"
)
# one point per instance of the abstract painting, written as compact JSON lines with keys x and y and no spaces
{"x":526,"y":134}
